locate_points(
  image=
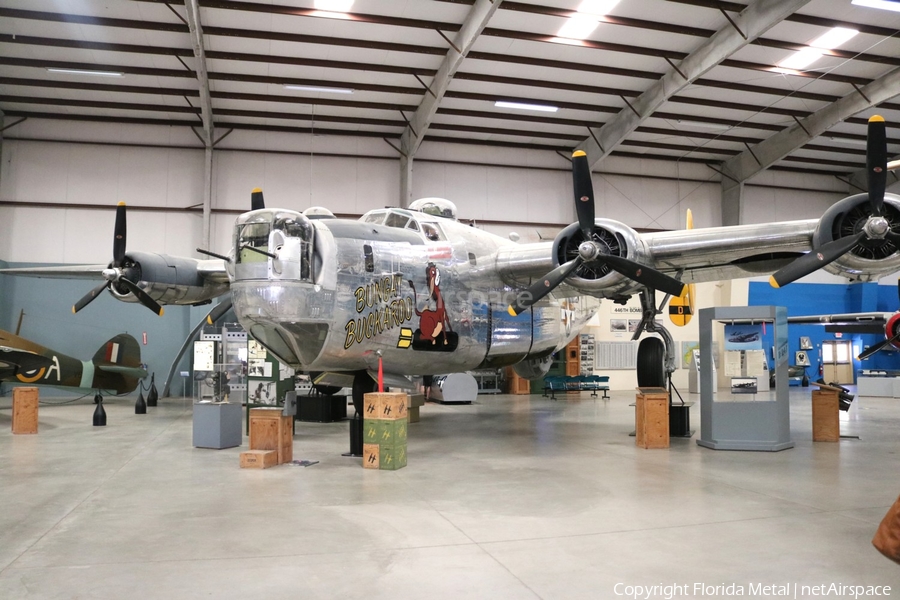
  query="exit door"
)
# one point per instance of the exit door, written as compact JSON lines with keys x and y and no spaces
{"x":837,"y":361}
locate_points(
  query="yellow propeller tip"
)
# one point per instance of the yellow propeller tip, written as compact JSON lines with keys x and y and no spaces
{"x":579,"y":153}
{"x":876,"y":119}
{"x":121,"y":204}
{"x":773,"y":283}
{"x":511,"y":311}
{"x":73,"y":310}
{"x":209,"y":321}
{"x":162,"y":311}
{"x":257,"y":190}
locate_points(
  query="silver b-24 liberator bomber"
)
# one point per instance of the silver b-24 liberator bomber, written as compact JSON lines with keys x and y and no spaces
{"x":428,"y":294}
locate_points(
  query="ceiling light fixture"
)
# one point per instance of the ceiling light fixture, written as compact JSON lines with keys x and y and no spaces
{"x":87,"y":72}
{"x":586,"y":19}
{"x":835,"y":37}
{"x":314,"y":88}
{"x":525,"y":106}
{"x":882,"y":4}
{"x":333,"y":9}
{"x":334,"y":5}
{"x":829,"y":40}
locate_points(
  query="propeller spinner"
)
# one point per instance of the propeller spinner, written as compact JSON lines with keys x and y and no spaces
{"x":120,"y":271}
{"x":589,"y":251}
{"x":877,"y":227}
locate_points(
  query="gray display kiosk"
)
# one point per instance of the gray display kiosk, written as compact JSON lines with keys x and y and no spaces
{"x":737,"y":424}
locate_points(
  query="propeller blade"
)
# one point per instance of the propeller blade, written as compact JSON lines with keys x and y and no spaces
{"x":876,"y":163}
{"x":643,"y":274}
{"x":142,"y":296}
{"x":89,"y":297}
{"x":814,"y":259}
{"x":873,"y":349}
{"x":256,"y":199}
{"x":120,"y":234}
{"x":218,"y":310}
{"x":584,"y":193}
{"x":541,"y":288}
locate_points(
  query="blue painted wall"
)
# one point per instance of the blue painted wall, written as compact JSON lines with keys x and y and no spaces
{"x":820,"y":298}
{"x":49,"y":321}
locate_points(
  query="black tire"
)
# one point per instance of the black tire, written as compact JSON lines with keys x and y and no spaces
{"x":651,"y":357}
{"x":362,"y":385}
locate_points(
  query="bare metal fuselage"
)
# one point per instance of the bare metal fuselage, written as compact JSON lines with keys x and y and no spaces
{"x":426,"y":307}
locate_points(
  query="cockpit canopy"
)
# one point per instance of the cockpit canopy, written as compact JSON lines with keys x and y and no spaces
{"x":439,"y":207}
{"x":406,"y":219}
{"x":284,"y":235}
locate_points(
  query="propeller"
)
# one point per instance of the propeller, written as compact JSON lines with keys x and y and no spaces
{"x":256,"y":199}
{"x":873,"y":349}
{"x":120,"y":271}
{"x":888,"y":341}
{"x":876,"y":226}
{"x":590,"y":251}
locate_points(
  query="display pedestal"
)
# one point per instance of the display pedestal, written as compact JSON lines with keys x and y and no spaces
{"x":729,"y":423}
{"x":25,"y":410}
{"x":651,"y":414}
{"x":680,"y":419}
{"x":217,"y":425}
{"x":270,"y":429}
{"x":826,"y":425}
{"x":321,"y":409}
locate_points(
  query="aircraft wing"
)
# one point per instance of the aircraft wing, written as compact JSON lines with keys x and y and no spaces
{"x":720,"y":253}
{"x":869,"y":318}
{"x":61,"y":272}
{"x":14,"y":361}
{"x":710,"y":254}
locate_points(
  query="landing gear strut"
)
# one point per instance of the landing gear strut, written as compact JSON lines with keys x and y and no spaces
{"x":656,"y":362}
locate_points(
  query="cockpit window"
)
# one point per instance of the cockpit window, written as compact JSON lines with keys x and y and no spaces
{"x":252,"y":237}
{"x":274,"y":244}
{"x":374,"y":217}
{"x":413,"y":225}
{"x":395,"y":219}
{"x":433,"y":232}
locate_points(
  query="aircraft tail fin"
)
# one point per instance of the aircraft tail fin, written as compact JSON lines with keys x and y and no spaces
{"x":120,"y":350}
{"x":681,"y":308}
{"x":121,"y":354}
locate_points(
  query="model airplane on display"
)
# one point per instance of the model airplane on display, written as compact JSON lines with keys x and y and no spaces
{"x":114,"y":368}
{"x":427,"y":294}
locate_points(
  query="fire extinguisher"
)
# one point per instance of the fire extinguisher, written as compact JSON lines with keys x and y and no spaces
{"x":821,"y":369}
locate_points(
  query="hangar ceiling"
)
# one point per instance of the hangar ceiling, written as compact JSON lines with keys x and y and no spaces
{"x":287,"y":66}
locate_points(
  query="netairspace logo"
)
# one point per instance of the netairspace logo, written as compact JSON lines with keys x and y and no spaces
{"x":764,"y":590}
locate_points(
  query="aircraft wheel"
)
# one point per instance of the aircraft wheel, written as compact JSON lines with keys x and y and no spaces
{"x":651,"y":358}
{"x":362,"y":385}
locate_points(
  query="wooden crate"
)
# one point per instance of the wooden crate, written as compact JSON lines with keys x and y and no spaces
{"x":258,"y":459}
{"x":386,"y":406}
{"x":25,"y":410}
{"x":371,"y":458}
{"x":825,"y":421}
{"x":413,"y":413}
{"x":270,"y":430}
{"x":651,"y":416}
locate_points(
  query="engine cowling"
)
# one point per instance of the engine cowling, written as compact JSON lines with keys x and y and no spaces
{"x":613,"y":238}
{"x":166,"y":279}
{"x":870,"y":259}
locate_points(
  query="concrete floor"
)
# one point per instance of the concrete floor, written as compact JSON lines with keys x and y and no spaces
{"x":512,"y":497}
